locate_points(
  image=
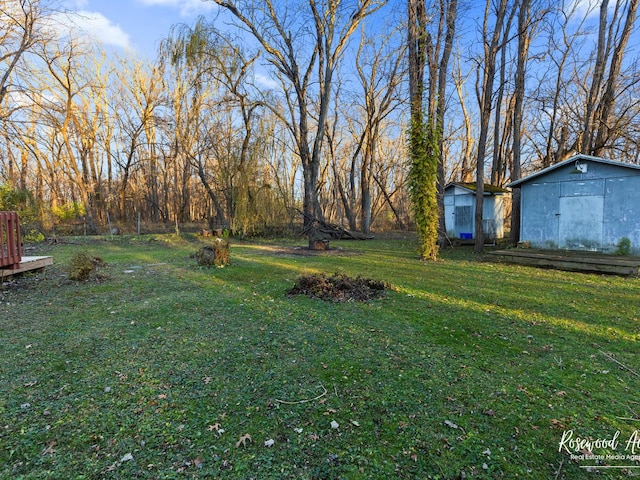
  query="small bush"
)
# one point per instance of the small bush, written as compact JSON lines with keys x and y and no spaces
{"x":623,"y":247}
{"x":33,"y":236}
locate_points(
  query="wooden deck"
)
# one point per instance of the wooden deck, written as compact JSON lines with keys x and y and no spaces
{"x":570,"y":261}
{"x":27,"y":264}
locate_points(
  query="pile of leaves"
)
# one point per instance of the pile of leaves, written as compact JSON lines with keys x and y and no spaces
{"x":82,"y":266}
{"x":339,"y":287}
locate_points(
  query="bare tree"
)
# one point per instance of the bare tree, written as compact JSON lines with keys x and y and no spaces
{"x":296,"y":52}
{"x":21,"y":29}
{"x":605,"y":109}
{"x":493,"y":42}
{"x":560,"y":55}
{"x":525,"y":33}
{"x":379,"y":70}
{"x":466,"y":166}
{"x":140,"y":96}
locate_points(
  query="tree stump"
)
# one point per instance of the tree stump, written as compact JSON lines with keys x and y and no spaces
{"x":216,"y":255}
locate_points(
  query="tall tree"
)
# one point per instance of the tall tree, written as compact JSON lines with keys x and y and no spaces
{"x":493,"y":42}
{"x":378,"y":66}
{"x":21,"y":21}
{"x":606,"y":107}
{"x":562,"y":46}
{"x":297,"y":52}
{"x":525,"y":29}
{"x":423,"y":146}
{"x":439,"y":54}
{"x":140,"y":96}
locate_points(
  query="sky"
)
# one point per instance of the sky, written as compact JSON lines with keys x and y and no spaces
{"x":139,"y":25}
{"x":135,"y":25}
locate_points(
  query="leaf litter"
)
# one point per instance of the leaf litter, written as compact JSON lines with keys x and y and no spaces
{"x":339,"y":287}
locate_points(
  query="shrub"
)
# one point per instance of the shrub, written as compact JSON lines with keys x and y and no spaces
{"x":624,"y":246}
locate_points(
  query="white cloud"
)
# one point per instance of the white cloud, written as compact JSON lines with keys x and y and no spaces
{"x":94,"y":25}
{"x":266,"y":82}
{"x":589,"y":8}
{"x":188,"y":8}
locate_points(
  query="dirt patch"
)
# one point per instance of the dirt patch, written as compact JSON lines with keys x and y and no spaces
{"x":339,"y":288}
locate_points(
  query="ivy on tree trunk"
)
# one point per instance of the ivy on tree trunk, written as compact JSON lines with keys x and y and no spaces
{"x":423,"y":180}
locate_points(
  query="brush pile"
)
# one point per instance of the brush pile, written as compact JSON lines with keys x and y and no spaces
{"x":339,"y":288}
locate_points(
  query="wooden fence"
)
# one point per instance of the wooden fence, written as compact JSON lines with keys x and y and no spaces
{"x":10,"y":246}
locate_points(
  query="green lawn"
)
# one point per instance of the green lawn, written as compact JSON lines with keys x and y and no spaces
{"x":159,"y":368}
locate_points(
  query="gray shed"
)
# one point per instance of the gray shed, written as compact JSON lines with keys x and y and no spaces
{"x":582,"y":203}
{"x":460,"y":210}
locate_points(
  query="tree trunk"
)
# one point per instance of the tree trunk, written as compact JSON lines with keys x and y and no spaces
{"x":486,"y":102}
{"x":606,"y":106}
{"x":524,"y":39}
{"x":596,"y":81}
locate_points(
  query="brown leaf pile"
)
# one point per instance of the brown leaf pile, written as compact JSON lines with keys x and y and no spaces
{"x":216,"y":255}
{"x":339,"y":287}
{"x":83,"y":265}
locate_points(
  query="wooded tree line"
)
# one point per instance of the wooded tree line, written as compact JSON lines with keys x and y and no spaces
{"x":267,"y":109}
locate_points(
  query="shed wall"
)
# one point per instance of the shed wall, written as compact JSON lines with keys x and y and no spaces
{"x":587,"y":211}
{"x":460,"y":208}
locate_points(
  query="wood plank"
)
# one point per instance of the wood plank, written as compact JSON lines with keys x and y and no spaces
{"x":574,"y":261}
{"x":26,"y":265}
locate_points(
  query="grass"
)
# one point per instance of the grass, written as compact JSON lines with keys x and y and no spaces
{"x":160,"y":368}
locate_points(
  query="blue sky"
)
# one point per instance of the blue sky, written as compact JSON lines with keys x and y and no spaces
{"x":136,"y":25}
{"x":140,"y":24}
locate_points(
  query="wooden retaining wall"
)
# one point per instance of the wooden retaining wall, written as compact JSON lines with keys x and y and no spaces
{"x":570,"y":261}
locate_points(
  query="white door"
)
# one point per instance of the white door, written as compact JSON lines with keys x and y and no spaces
{"x":581,"y":219}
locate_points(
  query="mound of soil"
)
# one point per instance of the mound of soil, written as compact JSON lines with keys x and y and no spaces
{"x":339,"y":288}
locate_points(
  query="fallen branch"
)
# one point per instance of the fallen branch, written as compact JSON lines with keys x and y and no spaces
{"x":306,"y":400}
{"x":610,"y":357}
{"x":317,"y":227}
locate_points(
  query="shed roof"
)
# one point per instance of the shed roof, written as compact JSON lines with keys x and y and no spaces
{"x":489,"y":189}
{"x":570,"y":160}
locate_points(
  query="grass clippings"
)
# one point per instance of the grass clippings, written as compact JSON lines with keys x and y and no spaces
{"x":338,"y":287}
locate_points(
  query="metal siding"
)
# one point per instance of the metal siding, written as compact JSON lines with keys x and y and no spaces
{"x":582,"y":188}
{"x":539,"y":214}
{"x":454,"y":198}
{"x":493,"y":211}
{"x":622,"y":212}
{"x":498,"y":215}
{"x":580,"y":222}
{"x":449,"y":218}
